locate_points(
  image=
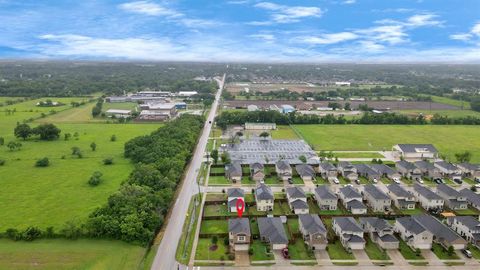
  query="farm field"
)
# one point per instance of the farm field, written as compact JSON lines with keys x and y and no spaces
{"x":449,"y":113}
{"x":30,"y":105}
{"x":82,"y":114}
{"x":57,"y":254}
{"x":51,"y":196}
{"x":450,"y":101}
{"x":448,"y":139}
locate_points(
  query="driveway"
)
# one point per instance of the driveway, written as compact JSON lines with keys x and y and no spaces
{"x":279,"y":260}
{"x":396,"y":257}
{"x":322,"y":257}
{"x":430,"y":257}
{"x":361,"y":256}
{"x":242,"y":258}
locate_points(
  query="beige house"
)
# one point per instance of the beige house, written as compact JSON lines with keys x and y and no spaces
{"x":466,"y":226}
{"x":297,"y":200}
{"x":453,"y":199}
{"x":428,"y":199}
{"x":352,"y":200}
{"x":414,"y":152}
{"x":380,"y":231}
{"x":401,"y":198}
{"x":349,"y":232}
{"x":239,"y":235}
{"x":376,"y":199}
{"x":233,"y":172}
{"x":257,"y":171}
{"x":326,"y":199}
{"x":283,"y":169}
{"x":264,"y":198}
{"x":413,"y":233}
{"x":313,"y":231}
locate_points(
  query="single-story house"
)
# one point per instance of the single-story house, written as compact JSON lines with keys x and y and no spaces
{"x":414,"y":152}
{"x":118,"y":113}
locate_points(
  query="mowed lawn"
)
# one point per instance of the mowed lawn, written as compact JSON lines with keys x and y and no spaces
{"x":449,"y":139}
{"x":58,"y":254}
{"x":50,"y":196}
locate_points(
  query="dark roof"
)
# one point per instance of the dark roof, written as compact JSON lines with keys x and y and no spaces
{"x":399,"y":191}
{"x":350,"y":192}
{"x":299,"y":204}
{"x":377,"y":223}
{"x":257,"y":166}
{"x":324,"y":192}
{"x":389,"y":238}
{"x":347,"y":224}
{"x":414,"y":148}
{"x":410,"y":224}
{"x":312,"y":224}
{"x":263,"y":192}
{"x":239,"y":225}
{"x":272,"y":229}
{"x":448,"y":190}
{"x":305,"y":170}
{"x":232,"y":203}
{"x":233,"y":169}
{"x":356,"y":239}
{"x":375,"y":192}
{"x":446,"y":165}
{"x":356,"y":204}
{"x":283,"y":165}
{"x":426,"y":192}
{"x":327,"y":166}
{"x":365,"y":169}
{"x":470,"y":166}
{"x":235,"y":192}
{"x":440,"y":230}
{"x":405,"y":164}
{"x":472,"y":197}
{"x":424,"y":165}
{"x":383,"y":169}
{"x":296,"y":192}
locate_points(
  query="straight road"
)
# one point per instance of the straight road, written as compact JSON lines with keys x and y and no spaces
{"x":165,"y":257}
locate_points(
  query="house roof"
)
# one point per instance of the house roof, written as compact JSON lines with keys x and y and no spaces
{"x":365,"y":169}
{"x":425,"y":192}
{"x":305,"y":170}
{"x":239,"y":225}
{"x":383,"y":169}
{"x":263,"y":192}
{"x":344,"y":164}
{"x":377,"y":223}
{"x":399,"y":191}
{"x":296,"y":192}
{"x":256,"y":166}
{"x":440,"y":230}
{"x":349,"y":192}
{"x":405,"y":164}
{"x":327,"y":166}
{"x":389,"y":238}
{"x":312,"y":224}
{"x":417,"y":148}
{"x":324,"y":192}
{"x":412,"y":225}
{"x":347,"y":224}
{"x":424,"y":165}
{"x":235,"y":192}
{"x":356,"y":204}
{"x":446,"y":165}
{"x":472,"y":197}
{"x":299,"y":204}
{"x":469,"y":166}
{"x":356,"y":239}
{"x":272,"y":229}
{"x":448,"y":190}
{"x":233,"y":169}
{"x":283,"y":165}
{"x":375,"y":192}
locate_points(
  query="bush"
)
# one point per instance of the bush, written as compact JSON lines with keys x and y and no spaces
{"x":231,"y":257}
{"x":108,"y":161}
{"x":12,"y":234}
{"x":250,"y":251}
{"x":43,"y":162}
{"x":31,"y":233}
{"x":214,"y":240}
{"x":113,"y":138}
{"x":95,"y":179}
{"x":2,"y":162}
{"x":226,"y":241}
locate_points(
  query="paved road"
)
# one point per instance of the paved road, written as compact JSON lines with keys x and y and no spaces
{"x":165,"y":257}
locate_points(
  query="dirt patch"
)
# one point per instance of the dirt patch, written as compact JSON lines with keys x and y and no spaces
{"x":213,"y":247}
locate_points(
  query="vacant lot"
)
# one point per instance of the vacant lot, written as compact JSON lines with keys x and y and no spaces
{"x":69,"y":254}
{"x":51,"y":196}
{"x":448,"y":139}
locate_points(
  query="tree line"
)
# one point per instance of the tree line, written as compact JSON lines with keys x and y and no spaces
{"x":137,"y":209}
{"x":239,"y":118}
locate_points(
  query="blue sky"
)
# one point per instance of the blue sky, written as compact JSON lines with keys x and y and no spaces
{"x":243,"y":30}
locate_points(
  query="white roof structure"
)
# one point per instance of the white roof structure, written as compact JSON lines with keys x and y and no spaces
{"x":153,"y":112}
{"x":187,"y":93}
{"x":117,"y":111}
{"x":161,"y":106}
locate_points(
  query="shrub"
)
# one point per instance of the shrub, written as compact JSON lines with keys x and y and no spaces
{"x":231,"y":257}
{"x":214,"y":240}
{"x":113,"y":138}
{"x":250,"y":251}
{"x":43,"y":162}
{"x":226,"y":241}
{"x":12,"y":234}
{"x":2,"y":162}
{"x":108,"y":161}
{"x":95,"y":179}
{"x":31,"y":233}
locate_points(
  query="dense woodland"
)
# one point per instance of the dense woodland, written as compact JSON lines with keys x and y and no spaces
{"x":368,"y":118}
{"x":137,"y":209}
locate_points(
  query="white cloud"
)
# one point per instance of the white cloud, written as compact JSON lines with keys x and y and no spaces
{"x":287,"y":14}
{"x":265,"y":37}
{"x":349,"y":2}
{"x":473,"y":34}
{"x":149,"y":8}
{"x":328,"y":38}
{"x":426,"y":19}
{"x":464,"y":37}
{"x":392,"y":34}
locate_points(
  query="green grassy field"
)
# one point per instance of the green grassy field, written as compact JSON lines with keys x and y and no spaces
{"x":450,"y":101}
{"x":284,"y":132}
{"x":57,"y":254}
{"x":51,"y":196}
{"x":119,"y":106}
{"x":448,"y":139}
{"x":449,"y":113}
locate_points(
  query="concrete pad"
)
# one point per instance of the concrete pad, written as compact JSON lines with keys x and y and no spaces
{"x":361,"y":256}
{"x":322,"y":257}
{"x":279,"y":260}
{"x":242,"y":258}
{"x":396,"y":257}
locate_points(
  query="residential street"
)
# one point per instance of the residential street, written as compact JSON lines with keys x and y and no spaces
{"x":165,"y":257}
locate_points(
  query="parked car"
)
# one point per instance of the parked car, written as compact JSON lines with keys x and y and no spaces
{"x":420,"y":181}
{"x":458,"y":181}
{"x":467,"y":253}
{"x":357,"y":181}
{"x":336,"y":181}
{"x":438,"y":181}
{"x":375,"y":181}
{"x":477,"y":185}
{"x":290,"y":181}
{"x":285,"y":253}
{"x":396,"y":181}
{"x":477,"y":180}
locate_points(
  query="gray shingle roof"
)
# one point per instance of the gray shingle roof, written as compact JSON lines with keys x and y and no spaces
{"x":312,"y":224}
{"x":296,"y":192}
{"x":446,"y":165}
{"x":263,"y":192}
{"x":356,"y":239}
{"x":424,"y":165}
{"x":325,"y":193}
{"x":347,"y":224}
{"x":283,"y":165}
{"x":389,"y":238}
{"x":365,"y":169}
{"x":437,"y":228}
{"x":235,"y":192}
{"x":427,"y":193}
{"x":272,"y":229}
{"x":234,"y":169}
{"x":327,"y":166}
{"x":383,"y":169}
{"x":349,"y":192}
{"x":239,"y":225}
{"x":410,"y":224}
{"x":356,"y":204}
{"x":299,"y":204}
{"x":448,"y":190}
{"x":472,"y":197}
{"x":412,"y":148}
{"x":407,"y":165}
{"x":399,"y":191}
{"x":256,"y":167}
{"x":470,"y":166}
{"x":305,"y":170}
{"x":377,"y":223}
{"x":375,"y":192}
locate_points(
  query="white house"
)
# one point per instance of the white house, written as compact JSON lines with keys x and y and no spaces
{"x":297,"y":200}
{"x":349,"y":232}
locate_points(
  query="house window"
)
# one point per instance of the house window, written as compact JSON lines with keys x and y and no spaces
{"x":241,"y":238}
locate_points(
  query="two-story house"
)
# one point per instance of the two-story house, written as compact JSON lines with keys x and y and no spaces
{"x":264,"y":198}
{"x":272,"y":232}
{"x":428,"y":199}
{"x":326,"y":199}
{"x":449,"y":170}
{"x":313,"y":231}
{"x":347,"y":170}
{"x":376,"y":199}
{"x":387,"y":171}
{"x":328,"y":171}
{"x":453,"y":199}
{"x":305,"y":171}
{"x":352,"y":200}
{"x":297,"y":200}
{"x":428,"y":170}
{"x":239,"y":235}
{"x":470,"y":170}
{"x":257,"y":171}
{"x":408,"y":170}
{"x":402,"y":199}
{"x":233,"y":195}
{"x":349,"y":232}
{"x":283,"y":169}
{"x":380,"y":231}
{"x":413,"y":233}
{"x":467,"y":227}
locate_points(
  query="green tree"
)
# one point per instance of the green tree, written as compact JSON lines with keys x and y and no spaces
{"x":225,"y":157}
{"x":108,"y":161}
{"x":2,"y":141}
{"x":303,"y":159}
{"x":463,"y":157}
{"x":264,"y":134}
{"x":43,"y":162}
{"x":47,"y":132}
{"x":95,"y":179}
{"x":14,"y":145}
{"x":475,"y":104}
{"x":113,"y":138}
{"x":450,"y":250}
{"x":93,"y":146}
{"x":214,"y":155}
{"x":22,"y":131}
{"x":347,"y":106}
